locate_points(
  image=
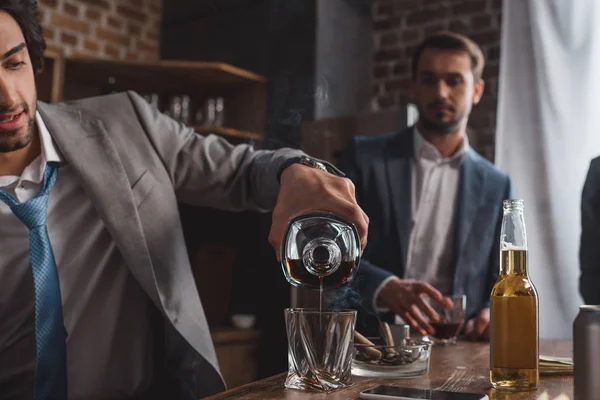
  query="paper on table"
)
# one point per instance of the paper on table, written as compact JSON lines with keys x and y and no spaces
{"x":550,"y":365}
{"x":560,"y":360}
{"x":546,"y":396}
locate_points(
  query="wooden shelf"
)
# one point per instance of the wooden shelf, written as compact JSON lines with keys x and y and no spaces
{"x":215,"y":72}
{"x":158,"y":76}
{"x":244,"y":92}
{"x":191,"y":77}
{"x":228,"y":132}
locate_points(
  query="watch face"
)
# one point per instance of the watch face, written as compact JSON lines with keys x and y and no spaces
{"x":307,"y":161}
{"x":311,"y":163}
{"x":317,"y":164}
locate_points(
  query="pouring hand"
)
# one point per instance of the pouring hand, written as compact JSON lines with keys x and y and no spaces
{"x":304,"y":189}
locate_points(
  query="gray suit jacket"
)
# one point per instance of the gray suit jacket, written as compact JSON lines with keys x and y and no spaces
{"x":381,"y":168}
{"x":136,"y":164}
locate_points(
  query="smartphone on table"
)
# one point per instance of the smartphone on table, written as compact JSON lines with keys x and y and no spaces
{"x":385,"y":392}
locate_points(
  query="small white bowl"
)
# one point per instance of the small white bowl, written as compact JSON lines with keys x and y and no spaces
{"x":243,"y":321}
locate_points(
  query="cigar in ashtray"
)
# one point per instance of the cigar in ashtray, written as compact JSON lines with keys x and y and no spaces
{"x":370,"y":352}
{"x":390,"y":354}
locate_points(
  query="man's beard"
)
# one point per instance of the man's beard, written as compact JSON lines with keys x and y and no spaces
{"x":437,"y":126}
{"x":6,"y":144}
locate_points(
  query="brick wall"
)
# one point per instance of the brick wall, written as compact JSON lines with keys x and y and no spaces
{"x":115,"y":29}
{"x":400,"y":24}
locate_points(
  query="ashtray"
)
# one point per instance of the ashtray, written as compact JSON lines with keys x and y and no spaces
{"x":409,"y":358}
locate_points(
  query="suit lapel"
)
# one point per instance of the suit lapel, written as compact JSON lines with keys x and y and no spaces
{"x":469,"y":200}
{"x":399,"y":175}
{"x":84,"y":144}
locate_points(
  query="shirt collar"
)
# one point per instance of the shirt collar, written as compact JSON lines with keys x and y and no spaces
{"x":34,"y":172}
{"x":422,"y":149}
{"x":49,"y":154}
{"x":49,"y":151}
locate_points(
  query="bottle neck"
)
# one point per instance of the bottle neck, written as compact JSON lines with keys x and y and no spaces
{"x":321,"y":257}
{"x":513,"y":262}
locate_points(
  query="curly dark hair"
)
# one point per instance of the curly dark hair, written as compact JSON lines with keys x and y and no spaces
{"x":25,"y":12}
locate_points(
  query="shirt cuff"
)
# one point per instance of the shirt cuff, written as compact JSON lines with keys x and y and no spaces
{"x":381,"y":285}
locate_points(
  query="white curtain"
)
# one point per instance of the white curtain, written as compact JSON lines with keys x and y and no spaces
{"x":548,"y":130}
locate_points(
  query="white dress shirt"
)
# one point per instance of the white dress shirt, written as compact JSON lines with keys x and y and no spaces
{"x":434,"y":190}
{"x":106,"y":313}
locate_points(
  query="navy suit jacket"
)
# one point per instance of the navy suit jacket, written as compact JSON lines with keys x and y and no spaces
{"x":589,"y":251}
{"x":381,"y":169}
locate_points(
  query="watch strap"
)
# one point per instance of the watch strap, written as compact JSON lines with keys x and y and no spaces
{"x":310,"y":162}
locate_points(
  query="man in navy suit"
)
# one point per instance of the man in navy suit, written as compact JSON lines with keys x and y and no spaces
{"x":435,"y":205}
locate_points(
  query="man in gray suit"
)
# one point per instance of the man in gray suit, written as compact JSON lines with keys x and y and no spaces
{"x":435,"y":204}
{"x":91,"y":244}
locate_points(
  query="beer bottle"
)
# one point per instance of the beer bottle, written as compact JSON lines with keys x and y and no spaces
{"x":514,"y":326}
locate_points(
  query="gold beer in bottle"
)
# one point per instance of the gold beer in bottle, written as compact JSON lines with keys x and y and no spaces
{"x":514,"y":329}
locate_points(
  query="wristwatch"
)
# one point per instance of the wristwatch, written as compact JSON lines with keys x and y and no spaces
{"x":310,"y":162}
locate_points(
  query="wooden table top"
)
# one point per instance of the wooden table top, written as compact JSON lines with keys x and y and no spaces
{"x":460,"y":368}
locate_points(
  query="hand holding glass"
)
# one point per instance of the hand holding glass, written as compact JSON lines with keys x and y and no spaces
{"x":451,"y":320}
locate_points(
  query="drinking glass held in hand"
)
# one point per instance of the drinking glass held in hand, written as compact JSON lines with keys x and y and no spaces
{"x":450,"y":322}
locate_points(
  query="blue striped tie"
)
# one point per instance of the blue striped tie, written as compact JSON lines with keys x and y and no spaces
{"x":50,"y":333}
